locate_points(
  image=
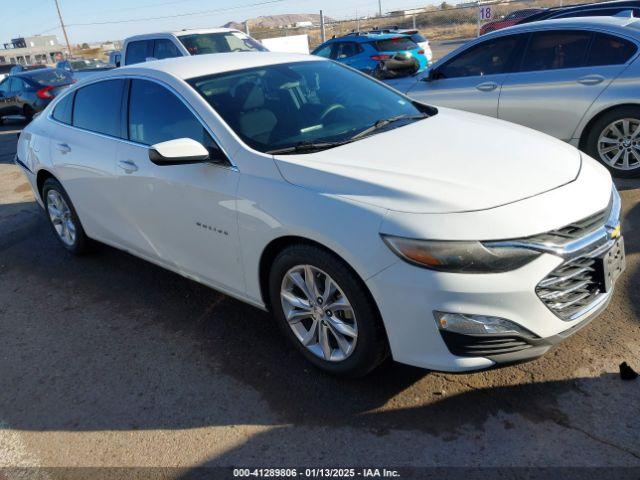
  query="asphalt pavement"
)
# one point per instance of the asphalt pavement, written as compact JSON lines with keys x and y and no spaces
{"x":107,"y":360}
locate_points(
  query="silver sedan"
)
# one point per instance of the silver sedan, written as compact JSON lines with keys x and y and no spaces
{"x":576,"y":79}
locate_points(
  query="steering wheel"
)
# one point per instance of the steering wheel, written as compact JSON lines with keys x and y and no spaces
{"x":331,"y":108}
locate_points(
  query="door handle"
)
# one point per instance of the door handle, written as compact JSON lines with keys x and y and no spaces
{"x":63,"y":148}
{"x":591,"y":79}
{"x":487,"y":86}
{"x":128,"y":166}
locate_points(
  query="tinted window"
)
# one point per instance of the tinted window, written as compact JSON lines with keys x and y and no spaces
{"x":324,"y":51}
{"x":98,"y":107}
{"x":138,"y":52}
{"x":64,"y":109}
{"x":416,"y":37}
{"x":346,"y":50}
{"x":157,"y":115}
{"x":279,"y":106}
{"x":599,"y":12}
{"x":487,"y":58}
{"x":556,"y":50}
{"x":395,"y":44}
{"x":164,"y":48}
{"x":199,"y":44}
{"x":610,"y":50}
{"x":51,"y":76}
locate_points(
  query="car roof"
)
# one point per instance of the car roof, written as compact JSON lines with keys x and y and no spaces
{"x":622,"y":25}
{"x":210,"y":64}
{"x":363,"y":37}
{"x":180,"y":33}
{"x":598,"y":5}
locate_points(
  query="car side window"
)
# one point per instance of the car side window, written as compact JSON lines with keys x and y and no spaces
{"x":610,"y":50}
{"x":556,"y":50}
{"x":346,"y":50}
{"x":64,"y":109}
{"x":324,"y":51}
{"x":486,"y":58}
{"x":164,"y":48}
{"x":157,"y":115}
{"x":137,"y":52}
{"x":97,"y":107}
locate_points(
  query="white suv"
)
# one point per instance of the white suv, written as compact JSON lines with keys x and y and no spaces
{"x":156,"y":46}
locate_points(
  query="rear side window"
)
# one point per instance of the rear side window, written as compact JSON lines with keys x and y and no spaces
{"x":157,"y":115}
{"x":610,"y":50}
{"x":486,"y":58}
{"x":164,"y":48}
{"x":64,"y":110}
{"x":324,"y":51}
{"x":556,"y":50}
{"x":416,"y":37}
{"x":138,"y":52}
{"x":347,"y":49}
{"x":98,"y":107}
{"x":395,"y":44}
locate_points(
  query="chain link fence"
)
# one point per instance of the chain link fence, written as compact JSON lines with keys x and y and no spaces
{"x":441,"y":23}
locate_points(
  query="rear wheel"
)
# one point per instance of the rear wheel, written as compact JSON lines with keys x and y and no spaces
{"x":325,"y":311}
{"x":63,"y":218}
{"x":28,"y":113}
{"x":614,"y":140}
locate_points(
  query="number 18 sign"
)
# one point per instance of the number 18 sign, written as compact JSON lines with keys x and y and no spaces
{"x":485,"y":13}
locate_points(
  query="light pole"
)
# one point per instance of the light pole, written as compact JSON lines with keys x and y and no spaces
{"x":64,"y":30}
{"x":379,"y":8}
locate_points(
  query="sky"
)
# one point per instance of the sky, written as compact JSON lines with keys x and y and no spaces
{"x":125,"y":17}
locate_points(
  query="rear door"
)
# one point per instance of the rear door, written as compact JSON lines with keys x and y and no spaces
{"x":561,"y":74}
{"x":85,"y":130}
{"x":138,"y":51}
{"x":6,"y":104}
{"x":472,"y":79}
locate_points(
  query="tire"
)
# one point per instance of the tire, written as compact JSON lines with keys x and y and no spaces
{"x":28,"y":113}
{"x":63,"y":218}
{"x":369,"y":346}
{"x":630,"y":146}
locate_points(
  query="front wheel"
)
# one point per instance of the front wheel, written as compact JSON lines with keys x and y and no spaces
{"x":325,"y":311}
{"x":614,"y":140}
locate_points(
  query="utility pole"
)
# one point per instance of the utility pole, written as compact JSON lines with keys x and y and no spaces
{"x":323,"y":35}
{"x":379,"y":8}
{"x":64,"y":30}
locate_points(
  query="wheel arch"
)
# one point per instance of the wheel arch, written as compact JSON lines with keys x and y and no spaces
{"x":41,"y":177}
{"x":584,"y":135}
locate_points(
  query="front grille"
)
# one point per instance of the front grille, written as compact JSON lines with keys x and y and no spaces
{"x":574,"y":230}
{"x":482,"y":345}
{"x":571,"y":287}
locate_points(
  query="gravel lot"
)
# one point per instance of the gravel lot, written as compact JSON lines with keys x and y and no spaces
{"x":110,"y":361}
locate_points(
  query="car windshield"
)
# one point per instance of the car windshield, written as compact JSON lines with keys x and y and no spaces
{"x":203,"y":43}
{"x":53,"y":77}
{"x":282,"y":106}
{"x":396,"y":44}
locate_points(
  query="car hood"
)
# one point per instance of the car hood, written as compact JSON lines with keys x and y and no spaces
{"x":451,"y":162}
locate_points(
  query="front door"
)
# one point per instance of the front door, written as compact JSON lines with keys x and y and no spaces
{"x":182,"y":215}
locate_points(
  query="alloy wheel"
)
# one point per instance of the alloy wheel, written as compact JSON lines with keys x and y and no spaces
{"x":619,"y":144}
{"x":319,"y":313}
{"x":60,"y":215}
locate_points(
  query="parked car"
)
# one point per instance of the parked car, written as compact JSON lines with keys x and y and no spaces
{"x":629,"y":8}
{"x":5,"y":70}
{"x":83,"y":68}
{"x":15,"y":69}
{"x":156,"y":46}
{"x":30,"y":92}
{"x":509,"y":20}
{"x":415,"y":35}
{"x":303,"y":187}
{"x":382,"y":55}
{"x":573,"y":79}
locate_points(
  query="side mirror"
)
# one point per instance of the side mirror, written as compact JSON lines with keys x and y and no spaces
{"x":178,"y":152}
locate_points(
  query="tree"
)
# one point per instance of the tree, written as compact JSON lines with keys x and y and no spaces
{"x":85,"y":46}
{"x":444,"y":6}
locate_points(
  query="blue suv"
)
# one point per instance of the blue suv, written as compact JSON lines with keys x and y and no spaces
{"x":383,"y":55}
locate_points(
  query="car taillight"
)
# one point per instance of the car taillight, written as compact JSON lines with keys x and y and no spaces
{"x":377,"y":58}
{"x":45,"y":93}
{"x":420,"y":52}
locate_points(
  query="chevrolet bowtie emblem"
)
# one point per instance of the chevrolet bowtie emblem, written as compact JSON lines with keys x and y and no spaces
{"x":615,"y":232}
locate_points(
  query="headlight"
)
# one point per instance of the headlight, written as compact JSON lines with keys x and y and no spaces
{"x":460,"y":257}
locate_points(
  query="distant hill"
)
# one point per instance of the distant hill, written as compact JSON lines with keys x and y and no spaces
{"x":278,"y":21}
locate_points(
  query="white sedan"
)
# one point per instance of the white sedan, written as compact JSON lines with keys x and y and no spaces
{"x":368,"y":223}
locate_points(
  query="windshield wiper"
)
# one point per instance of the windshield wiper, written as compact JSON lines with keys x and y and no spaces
{"x":386,"y":121}
{"x":307,"y":147}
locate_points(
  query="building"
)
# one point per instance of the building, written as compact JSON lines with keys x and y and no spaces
{"x":406,"y":13}
{"x":32,"y":50}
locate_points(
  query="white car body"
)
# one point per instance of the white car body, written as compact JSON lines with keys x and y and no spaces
{"x":425,"y":180}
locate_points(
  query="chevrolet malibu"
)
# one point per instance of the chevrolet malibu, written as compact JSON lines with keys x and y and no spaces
{"x":302,"y":187}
